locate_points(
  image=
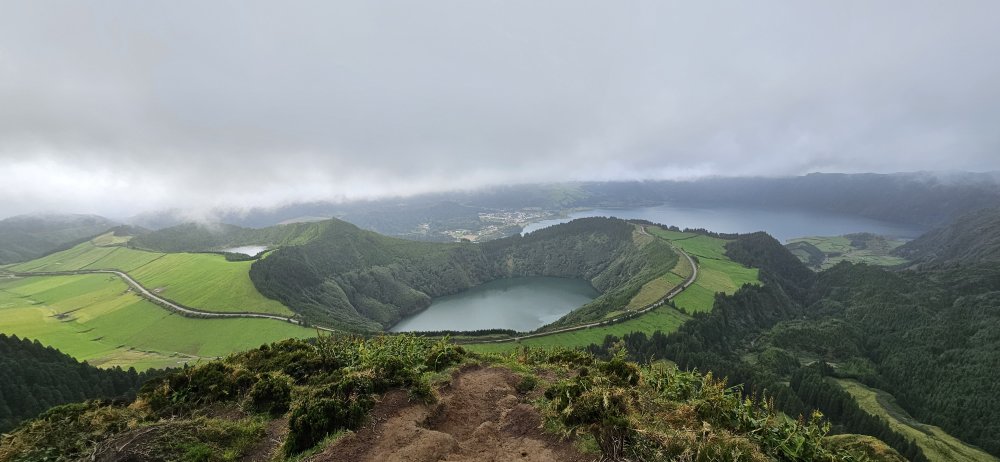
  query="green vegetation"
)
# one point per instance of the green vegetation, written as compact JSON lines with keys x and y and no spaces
{"x":973,"y":238}
{"x":364,"y":281}
{"x":664,"y":318}
{"x":32,"y":236}
{"x":935,"y":443}
{"x":194,"y":237}
{"x":820,"y":253}
{"x":716,"y":271}
{"x":96,"y":318}
{"x":203,"y":281}
{"x":859,"y":322}
{"x":329,"y":386}
{"x":34,"y":378}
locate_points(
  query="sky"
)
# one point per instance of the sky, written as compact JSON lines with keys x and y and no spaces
{"x":118,"y":107}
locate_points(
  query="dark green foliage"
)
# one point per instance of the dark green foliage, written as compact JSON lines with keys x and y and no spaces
{"x":272,"y":394}
{"x":973,"y":238}
{"x":316,"y":418}
{"x":181,"y":391}
{"x":526,"y":384}
{"x":930,"y":338}
{"x":34,"y":378}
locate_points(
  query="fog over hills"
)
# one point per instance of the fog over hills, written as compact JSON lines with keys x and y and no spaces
{"x":121,"y":108}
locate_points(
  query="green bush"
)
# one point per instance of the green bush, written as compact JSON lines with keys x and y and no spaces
{"x":271,"y":394}
{"x":526,"y":384}
{"x":314,"y":419}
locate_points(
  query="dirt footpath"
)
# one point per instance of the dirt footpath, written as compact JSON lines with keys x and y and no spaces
{"x":480,"y":417}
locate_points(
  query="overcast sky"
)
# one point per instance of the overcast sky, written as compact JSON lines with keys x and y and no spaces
{"x":118,"y":107}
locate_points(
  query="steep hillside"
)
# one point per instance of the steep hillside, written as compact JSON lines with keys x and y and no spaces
{"x":34,"y":378}
{"x":972,"y":238}
{"x":198,"y":237}
{"x":26,"y":237}
{"x":350,"y":277}
{"x":402,"y":398}
{"x":800,"y":330}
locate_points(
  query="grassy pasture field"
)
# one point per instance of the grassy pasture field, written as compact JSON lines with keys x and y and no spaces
{"x":937,"y":445}
{"x":716,"y":273}
{"x":96,"y":318}
{"x":664,"y":319}
{"x":203,"y":281}
{"x":865,"y":248}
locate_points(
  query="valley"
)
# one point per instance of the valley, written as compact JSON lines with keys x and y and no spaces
{"x":107,"y":302}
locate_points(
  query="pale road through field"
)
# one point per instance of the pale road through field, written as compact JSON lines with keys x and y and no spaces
{"x":183,"y":310}
{"x":147,"y":294}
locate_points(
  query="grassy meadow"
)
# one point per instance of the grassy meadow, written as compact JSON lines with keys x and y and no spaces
{"x":95,"y":317}
{"x":937,"y":445}
{"x":716,"y":272}
{"x":870,"y":249}
{"x":203,"y":281}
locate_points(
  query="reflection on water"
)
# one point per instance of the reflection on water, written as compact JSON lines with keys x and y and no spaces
{"x":251,"y":250}
{"x":783,"y":224}
{"x":522,"y":304}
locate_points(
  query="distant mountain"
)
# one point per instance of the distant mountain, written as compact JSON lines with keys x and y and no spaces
{"x":26,"y":237}
{"x":973,"y":238}
{"x":920,"y":199}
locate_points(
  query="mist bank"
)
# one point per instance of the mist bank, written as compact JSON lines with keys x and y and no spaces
{"x":921,"y":199}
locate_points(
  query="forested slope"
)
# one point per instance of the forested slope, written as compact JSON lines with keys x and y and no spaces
{"x":973,"y":238}
{"x":366,"y":281}
{"x":931,"y":338}
{"x":34,"y":378}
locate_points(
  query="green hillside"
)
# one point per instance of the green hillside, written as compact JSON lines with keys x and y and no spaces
{"x":929,"y":337}
{"x":314,"y":399}
{"x":31,"y":236}
{"x":34,"y":378}
{"x":196,"y":237}
{"x":973,"y":238}
{"x":717,"y":272}
{"x":937,"y":445}
{"x":820,"y":253}
{"x":204,"y":281}
{"x":365,"y":281}
{"x":96,"y":318}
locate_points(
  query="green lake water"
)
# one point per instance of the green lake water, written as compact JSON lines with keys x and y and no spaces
{"x":521,"y":304}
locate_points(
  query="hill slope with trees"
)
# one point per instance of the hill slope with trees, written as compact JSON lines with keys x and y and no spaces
{"x":350,"y":277}
{"x":931,"y":338}
{"x":973,"y":238}
{"x":34,"y":378}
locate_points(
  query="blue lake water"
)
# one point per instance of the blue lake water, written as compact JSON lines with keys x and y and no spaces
{"x":521,"y":304}
{"x":783,"y":224}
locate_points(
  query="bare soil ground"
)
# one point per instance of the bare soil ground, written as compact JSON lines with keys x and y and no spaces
{"x":480,"y":417}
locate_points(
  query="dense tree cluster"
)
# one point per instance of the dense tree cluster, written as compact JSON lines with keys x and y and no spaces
{"x":34,"y":378}
{"x":930,"y":337}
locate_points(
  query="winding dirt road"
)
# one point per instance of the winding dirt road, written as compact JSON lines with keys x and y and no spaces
{"x":172,"y":306}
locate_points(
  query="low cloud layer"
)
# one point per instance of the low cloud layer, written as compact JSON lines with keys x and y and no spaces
{"x":118,"y":107}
